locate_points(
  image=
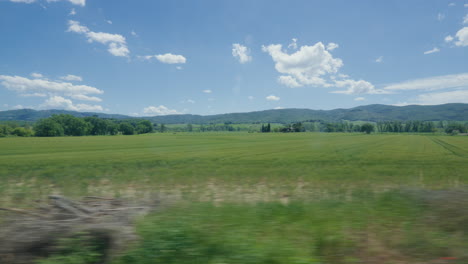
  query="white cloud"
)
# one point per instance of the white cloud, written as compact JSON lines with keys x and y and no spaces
{"x":105,"y":38}
{"x":331,"y":46}
{"x":75,"y":26}
{"x":379,"y":59}
{"x":23,"y":1}
{"x":359,"y":99}
{"x":465,"y":19}
{"x":241,"y":53}
{"x":307,"y":66}
{"x":293,"y":44}
{"x":85,"y":97}
{"x":278,"y":108}
{"x":41,"y":88}
{"x":109,"y":22}
{"x":448,"y":39}
{"x":78,"y":2}
{"x":452,"y":4}
{"x":34,"y":95}
{"x":22,"y":84}
{"x":117,"y":44}
{"x":159,"y":110}
{"x":434,"y":50}
{"x":72,"y":12}
{"x":288,"y":81}
{"x":440,"y":16}
{"x":272,"y":98}
{"x":118,"y":50}
{"x":37,"y":75}
{"x":71,"y":77}
{"x":134,"y":33}
{"x":178,"y":67}
{"x":207,"y":91}
{"x":75,"y":2}
{"x":458,"y":96}
{"x":465,"y":5}
{"x":432,"y":83}
{"x":58,"y":102}
{"x":168,"y":58}
{"x":250,"y":97}
{"x":356,"y":87}
{"x":462,"y":36}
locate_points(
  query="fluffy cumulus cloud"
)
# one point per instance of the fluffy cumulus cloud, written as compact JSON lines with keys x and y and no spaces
{"x":167,"y":58}
{"x":272,"y":98}
{"x":58,"y":102}
{"x":448,"y":39}
{"x":462,"y":37}
{"x":117,"y":44}
{"x":26,"y":85}
{"x":241,"y":53}
{"x":434,"y":50}
{"x":432,"y":83}
{"x":159,"y":110}
{"x":56,"y":91}
{"x":71,"y":77}
{"x":356,"y":87}
{"x":307,"y":66}
{"x":379,"y":59}
{"x":359,"y":99}
{"x":207,"y":91}
{"x":314,"y":66}
{"x":170,"y":58}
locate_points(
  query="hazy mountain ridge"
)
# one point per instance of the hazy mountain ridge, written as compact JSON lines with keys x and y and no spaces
{"x":375,"y":113}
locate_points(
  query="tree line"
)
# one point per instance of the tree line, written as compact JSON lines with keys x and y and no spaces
{"x":449,"y":127}
{"x":68,"y":125}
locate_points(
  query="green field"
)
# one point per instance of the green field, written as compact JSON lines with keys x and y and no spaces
{"x":296,"y":198}
{"x":230,"y":166}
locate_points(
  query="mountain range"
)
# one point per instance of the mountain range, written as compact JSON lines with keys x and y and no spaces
{"x":372,"y":113}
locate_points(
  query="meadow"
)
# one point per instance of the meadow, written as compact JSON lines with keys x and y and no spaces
{"x":263,"y":198}
{"x":230,"y":166}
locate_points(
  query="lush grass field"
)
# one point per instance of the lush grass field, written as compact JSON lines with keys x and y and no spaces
{"x":230,"y":166}
{"x":298,"y":198}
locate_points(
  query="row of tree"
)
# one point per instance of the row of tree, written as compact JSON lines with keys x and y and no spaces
{"x":389,"y":126}
{"x":68,"y":125}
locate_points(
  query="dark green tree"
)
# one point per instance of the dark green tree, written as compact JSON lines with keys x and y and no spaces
{"x":48,"y":128}
{"x":126,"y":128}
{"x":367,"y":128}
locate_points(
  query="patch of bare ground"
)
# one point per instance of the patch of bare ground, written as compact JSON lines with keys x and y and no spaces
{"x":28,"y":235}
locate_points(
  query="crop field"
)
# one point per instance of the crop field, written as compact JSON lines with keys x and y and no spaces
{"x":230,"y":166}
{"x":298,"y":198}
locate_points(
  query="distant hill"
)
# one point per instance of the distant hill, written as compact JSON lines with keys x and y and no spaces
{"x":34,"y":115}
{"x":375,"y":113}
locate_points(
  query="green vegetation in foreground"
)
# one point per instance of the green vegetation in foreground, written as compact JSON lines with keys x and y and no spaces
{"x":408,"y":227}
{"x":229,"y":166}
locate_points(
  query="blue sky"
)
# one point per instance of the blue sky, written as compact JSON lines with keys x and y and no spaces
{"x":151,"y":57}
